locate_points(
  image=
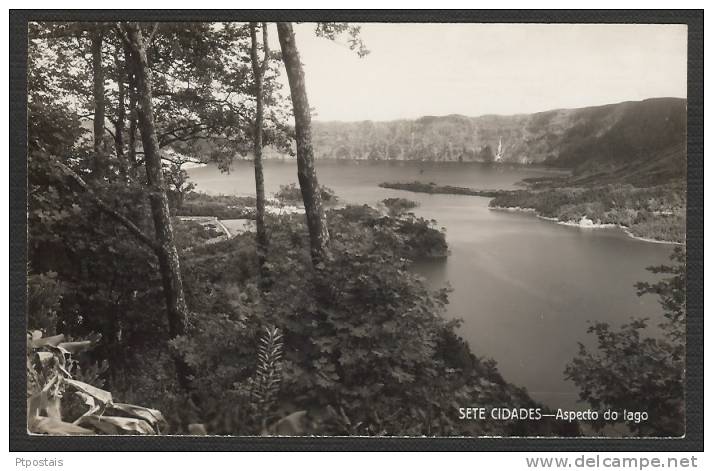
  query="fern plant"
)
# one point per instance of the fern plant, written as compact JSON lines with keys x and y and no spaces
{"x":268,"y":375}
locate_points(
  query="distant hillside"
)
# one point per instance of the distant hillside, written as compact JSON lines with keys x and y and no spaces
{"x":638,"y":140}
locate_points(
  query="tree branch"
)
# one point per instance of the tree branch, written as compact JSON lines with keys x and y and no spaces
{"x":180,"y":161}
{"x":103,"y":206}
{"x":149,"y":40}
{"x":109,"y":130}
{"x":122,"y":33}
{"x":192,"y":133}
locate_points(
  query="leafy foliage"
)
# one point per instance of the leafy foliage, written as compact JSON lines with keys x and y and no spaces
{"x":375,"y":358}
{"x":292,"y":194}
{"x":179,"y":183}
{"x":632,"y":371}
{"x":408,"y":235}
{"x":334,"y":31}
{"x":653,"y":212}
{"x":398,"y":206}
{"x":220,"y":206}
{"x":269,"y":370}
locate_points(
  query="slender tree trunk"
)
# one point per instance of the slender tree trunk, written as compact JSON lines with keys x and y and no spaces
{"x":180,"y":197}
{"x":167,"y":254}
{"x":120,"y":124}
{"x":259,"y":74}
{"x":133,"y":125}
{"x":99,"y":162}
{"x":316,"y":218}
{"x":120,"y":120}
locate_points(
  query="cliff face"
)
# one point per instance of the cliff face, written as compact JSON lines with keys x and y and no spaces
{"x":586,"y":139}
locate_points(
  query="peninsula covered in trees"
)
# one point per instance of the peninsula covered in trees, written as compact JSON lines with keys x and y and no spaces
{"x":626,"y":165}
{"x":655,"y":213}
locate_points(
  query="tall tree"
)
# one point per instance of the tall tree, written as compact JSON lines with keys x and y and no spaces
{"x":97,"y":39}
{"x":306,"y":173}
{"x":120,"y":121}
{"x":167,"y":254}
{"x":259,"y":69}
{"x":133,"y":121}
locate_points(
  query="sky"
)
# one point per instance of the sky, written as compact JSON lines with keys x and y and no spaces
{"x":475,"y":69}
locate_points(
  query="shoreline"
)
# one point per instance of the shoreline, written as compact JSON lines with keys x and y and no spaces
{"x":432,"y":188}
{"x":625,"y":229}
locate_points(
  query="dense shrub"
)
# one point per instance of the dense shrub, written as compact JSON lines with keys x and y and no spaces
{"x":292,"y":194}
{"x":398,"y":206}
{"x":408,"y":236}
{"x":220,"y":206}
{"x":375,"y":356}
{"x":370,"y":354}
{"x":191,"y":233}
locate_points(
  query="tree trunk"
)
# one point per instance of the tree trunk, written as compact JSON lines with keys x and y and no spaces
{"x":120,"y":124}
{"x":99,"y":162}
{"x":180,"y":197}
{"x":259,"y":74}
{"x":133,"y":126}
{"x":316,"y":218}
{"x":167,"y":254}
{"x":132,"y":107}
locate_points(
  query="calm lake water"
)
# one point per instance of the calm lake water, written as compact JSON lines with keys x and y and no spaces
{"x":526,"y":288}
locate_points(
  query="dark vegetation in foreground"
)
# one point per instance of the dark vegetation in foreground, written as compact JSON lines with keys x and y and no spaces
{"x":374,"y":356}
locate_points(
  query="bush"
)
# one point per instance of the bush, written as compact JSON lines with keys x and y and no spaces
{"x":292,"y":194}
{"x":190,"y":233}
{"x":408,"y":236}
{"x":398,"y":206}
{"x":44,"y":293}
{"x":374,"y":356}
{"x":220,"y":206}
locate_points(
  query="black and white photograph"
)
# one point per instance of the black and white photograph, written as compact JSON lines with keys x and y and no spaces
{"x":356,"y":229}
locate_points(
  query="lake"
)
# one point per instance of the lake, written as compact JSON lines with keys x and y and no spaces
{"x":526,"y":288}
